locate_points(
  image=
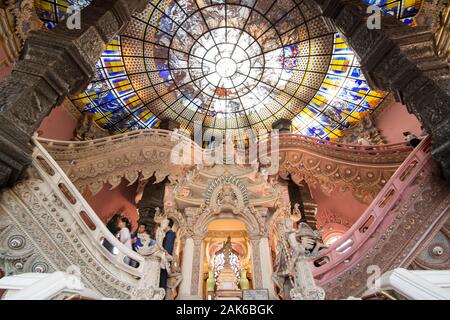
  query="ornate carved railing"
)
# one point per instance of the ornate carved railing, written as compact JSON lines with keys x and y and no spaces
{"x":374,"y":154}
{"x":45,"y":221}
{"x":378,"y":220}
{"x":140,"y":153}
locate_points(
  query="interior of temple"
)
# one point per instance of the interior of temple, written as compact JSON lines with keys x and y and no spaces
{"x":224,"y":149}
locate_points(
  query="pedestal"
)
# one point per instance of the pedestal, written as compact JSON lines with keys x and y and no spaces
{"x":191,"y":287}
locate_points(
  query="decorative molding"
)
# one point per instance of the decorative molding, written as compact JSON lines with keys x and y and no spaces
{"x":413,"y":217}
{"x":332,"y":166}
{"x":435,"y":253}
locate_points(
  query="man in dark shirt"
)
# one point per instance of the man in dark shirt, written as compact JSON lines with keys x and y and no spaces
{"x":168,"y":245}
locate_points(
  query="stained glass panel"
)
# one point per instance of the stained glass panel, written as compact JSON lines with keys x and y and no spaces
{"x":229,"y":66}
{"x":53,"y":11}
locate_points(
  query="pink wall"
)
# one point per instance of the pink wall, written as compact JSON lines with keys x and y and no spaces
{"x":395,"y":120}
{"x":4,"y":70}
{"x":107,"y":202}
{"x":340,"y":204}
{"x":58,"y":125}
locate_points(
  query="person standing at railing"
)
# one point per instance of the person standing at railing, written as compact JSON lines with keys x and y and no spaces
{"x":125,"y":236}
{"x":168,"y":245}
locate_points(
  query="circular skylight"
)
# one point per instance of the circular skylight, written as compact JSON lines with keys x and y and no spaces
{"x":227,"y":66}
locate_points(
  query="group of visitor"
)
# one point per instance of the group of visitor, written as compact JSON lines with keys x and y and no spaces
{"x":120,"y":226}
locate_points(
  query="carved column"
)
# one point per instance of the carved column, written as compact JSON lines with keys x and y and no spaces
{"x":402,"y":60}
{"x":262,"y":265}
{"x":266,"y":266}
{"x":197,"y":270}
{"x":53,"y":65}
{"x":191,"y":287}
{"x":186,"y":269}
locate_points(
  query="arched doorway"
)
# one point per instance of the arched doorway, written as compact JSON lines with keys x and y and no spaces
{"x":227,"y":260}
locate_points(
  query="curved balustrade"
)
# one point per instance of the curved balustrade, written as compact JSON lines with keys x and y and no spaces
{"x":55,"y":145}
{"x":86,"y":218}
{"x":143,"y":153}
{"x":377,"y":218}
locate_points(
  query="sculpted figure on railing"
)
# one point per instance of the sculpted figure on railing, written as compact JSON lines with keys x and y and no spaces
{"x":296,"y":247}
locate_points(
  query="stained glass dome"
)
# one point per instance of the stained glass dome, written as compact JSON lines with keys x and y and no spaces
{"x":230,"y":65}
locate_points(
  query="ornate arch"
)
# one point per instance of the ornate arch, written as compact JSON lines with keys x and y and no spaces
{"x":238,"y":187}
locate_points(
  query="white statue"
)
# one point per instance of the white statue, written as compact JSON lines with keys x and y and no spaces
{"x":158,"y":249}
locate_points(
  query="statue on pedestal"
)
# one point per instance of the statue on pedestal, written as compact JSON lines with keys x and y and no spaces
{"x":304,"y":244}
